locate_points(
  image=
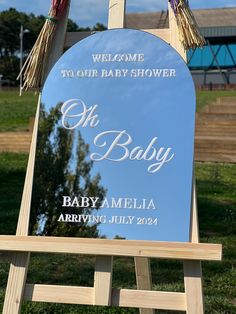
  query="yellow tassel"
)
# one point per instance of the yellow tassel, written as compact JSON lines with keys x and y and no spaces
{"x":189,"y":32}
{"x":33,"y":70}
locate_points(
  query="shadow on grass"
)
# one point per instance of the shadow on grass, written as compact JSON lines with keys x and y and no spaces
{"x":11,"y":187}
{"x":216,"y":217}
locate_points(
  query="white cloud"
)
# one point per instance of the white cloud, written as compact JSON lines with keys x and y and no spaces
{"x":89,"y":12}
{"x":85,"y":11}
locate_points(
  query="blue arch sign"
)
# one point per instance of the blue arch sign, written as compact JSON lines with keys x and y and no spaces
{"x":115,"y":141}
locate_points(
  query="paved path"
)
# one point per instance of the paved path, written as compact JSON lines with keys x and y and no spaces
{"x":17,"y":142}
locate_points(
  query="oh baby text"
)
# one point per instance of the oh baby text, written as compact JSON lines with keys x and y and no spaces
{"x":118,"y":140}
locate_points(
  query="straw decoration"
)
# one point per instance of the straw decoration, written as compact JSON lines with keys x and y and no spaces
{"x":190,"y":35}
{"x":34,"y":66}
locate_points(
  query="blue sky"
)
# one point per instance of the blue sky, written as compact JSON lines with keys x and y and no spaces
{"x":88,"y":12}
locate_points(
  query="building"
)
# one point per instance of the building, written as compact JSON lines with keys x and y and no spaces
{"x":215,"y":64}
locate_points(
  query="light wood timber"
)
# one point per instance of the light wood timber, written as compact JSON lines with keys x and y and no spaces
{"x":58,"y":45}
{"x":192,"y":269}
{"x":143,"y":278}
{"x":174,"y":34}
{"x":190,"y":301}
{"x":103,"y":280}
{"x":169,"y":36}
{"x":116,"y":19}
{"x":193,"y":287}
{"x":116,"y":15}
{"x":149,"y":299}
{"x":59,"y":294}
{"x":103,"y":266}
{"x":122,"y":297}
{"x":162,"y":33}
{"x":19,"y":262}
{"x":19,"y":266}
{"x":171,"y":250}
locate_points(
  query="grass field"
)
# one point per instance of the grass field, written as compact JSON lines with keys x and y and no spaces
{"x":206,"y":97}
{"x":16,"y":111}
{"x":217,"y":217}
{"x":216,"y":186}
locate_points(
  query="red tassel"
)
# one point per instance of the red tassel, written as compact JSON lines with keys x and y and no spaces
{"x":34,"y":66}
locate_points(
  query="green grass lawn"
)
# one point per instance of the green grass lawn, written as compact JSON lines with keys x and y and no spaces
{"x":207,"y":97}
{"x":16,"y":111}
{"x":216,"y":185}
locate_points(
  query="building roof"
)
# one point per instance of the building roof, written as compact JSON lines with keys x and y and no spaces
{"x":224,"y":17}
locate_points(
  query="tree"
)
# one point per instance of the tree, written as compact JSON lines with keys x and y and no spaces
{"x":99,"y":27}
{"x":9,"y":67}
{"x":61,"y":171}
{"x":10,"y":23}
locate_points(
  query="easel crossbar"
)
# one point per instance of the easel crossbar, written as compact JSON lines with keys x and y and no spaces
{"x":120,"y":297}
{"x":171,"y":250}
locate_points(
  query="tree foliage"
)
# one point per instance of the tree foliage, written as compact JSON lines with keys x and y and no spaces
{"x":61,"y":170}
{"x":10,"y":24}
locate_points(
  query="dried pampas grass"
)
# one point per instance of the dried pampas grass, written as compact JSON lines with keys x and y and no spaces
{"x":189,"y":32}
{"x":34,"y":67}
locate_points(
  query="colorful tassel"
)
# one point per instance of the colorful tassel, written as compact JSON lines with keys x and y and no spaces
{"x":189,"y":32}
{"x":34,"y":67}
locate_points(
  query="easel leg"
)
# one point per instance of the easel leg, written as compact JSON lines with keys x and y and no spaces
{"x":19,"y":265}
{"x":103,"y":280}
{"x":20,"y":261}
{"x":193,"y":287}
{"x":116,"y":14}
{"x":15,"y":291}
{"x":192,"y":269}
{"x":143,"y":278}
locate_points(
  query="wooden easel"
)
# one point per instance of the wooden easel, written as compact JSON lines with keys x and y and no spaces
{"x":102,"y":293}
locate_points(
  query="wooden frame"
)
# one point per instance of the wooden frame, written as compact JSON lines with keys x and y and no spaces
{"x":171,"y":250}
{"x":102,"y":293}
